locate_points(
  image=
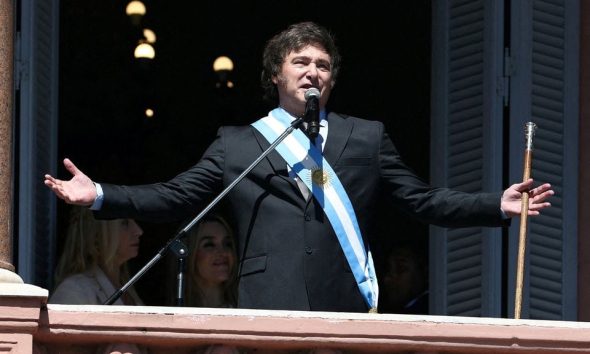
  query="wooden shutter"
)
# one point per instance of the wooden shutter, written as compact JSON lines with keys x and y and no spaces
{"x":545,"y":90}
{"x":466,"y":151}
{"x":37,"y":77}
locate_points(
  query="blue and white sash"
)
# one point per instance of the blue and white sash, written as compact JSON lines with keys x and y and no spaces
{"x":312,"y":168}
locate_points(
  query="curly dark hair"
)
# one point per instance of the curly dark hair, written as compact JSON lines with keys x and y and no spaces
{"x":295,"y":38}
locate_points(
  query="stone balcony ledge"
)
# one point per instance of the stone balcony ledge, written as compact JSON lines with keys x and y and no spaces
{"x":277,"y":331}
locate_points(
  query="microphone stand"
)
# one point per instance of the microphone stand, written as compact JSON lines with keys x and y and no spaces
{"x":162,"y":252}
{"x":181,"y":252}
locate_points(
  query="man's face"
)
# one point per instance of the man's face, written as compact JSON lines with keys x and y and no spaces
{"x":302,"y":70}
{"x":403,"y":279}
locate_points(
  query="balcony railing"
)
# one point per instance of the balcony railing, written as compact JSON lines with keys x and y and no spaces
{"x":27,"y":324}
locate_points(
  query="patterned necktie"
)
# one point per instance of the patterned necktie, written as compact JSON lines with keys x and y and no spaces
{"x":302,"y":187}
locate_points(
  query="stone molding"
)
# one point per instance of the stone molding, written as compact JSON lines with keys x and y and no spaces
{"x":275,"y":331}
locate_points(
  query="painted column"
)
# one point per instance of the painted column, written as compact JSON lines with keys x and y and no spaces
{"x":6,"y":112}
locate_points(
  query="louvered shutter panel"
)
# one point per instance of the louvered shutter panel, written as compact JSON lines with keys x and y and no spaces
{"x":37,"y":154}
{"x":545,"y":90}
{"x":466,"y":151}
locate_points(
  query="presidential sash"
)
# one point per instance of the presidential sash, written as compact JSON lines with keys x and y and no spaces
{"x":312,"y":168}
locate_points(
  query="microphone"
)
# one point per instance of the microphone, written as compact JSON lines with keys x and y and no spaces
{"x":312,"y":112}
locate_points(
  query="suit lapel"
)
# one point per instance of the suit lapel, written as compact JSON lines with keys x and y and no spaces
{"x":339,"y":130}
{"x":278,"y":164}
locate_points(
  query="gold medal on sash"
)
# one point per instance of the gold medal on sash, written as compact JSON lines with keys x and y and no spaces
{"x":320,"y":177}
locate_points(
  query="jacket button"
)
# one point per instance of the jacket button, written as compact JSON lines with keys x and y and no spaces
{"x":308,"y":250}
{"x":307,"y":217}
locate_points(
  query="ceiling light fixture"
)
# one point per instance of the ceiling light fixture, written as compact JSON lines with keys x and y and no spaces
{"x":149,"y":35}
{"x":223,"y":63}
{"x":135,"y":10}
{"x":144,"y":51}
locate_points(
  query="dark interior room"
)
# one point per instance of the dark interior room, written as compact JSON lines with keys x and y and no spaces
{"x":104,"y":91}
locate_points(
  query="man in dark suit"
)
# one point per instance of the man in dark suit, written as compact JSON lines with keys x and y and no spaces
{"x":302,"y":252}
{"x":403,"y":279}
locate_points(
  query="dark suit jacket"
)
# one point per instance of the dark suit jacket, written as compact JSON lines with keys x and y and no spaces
{"x":290,"y":258}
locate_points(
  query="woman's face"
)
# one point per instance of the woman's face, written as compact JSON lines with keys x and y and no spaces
{"x":214,"y":256}
{"x":129,"y":234}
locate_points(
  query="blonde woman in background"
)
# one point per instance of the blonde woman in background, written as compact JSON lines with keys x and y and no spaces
{"x":212,"y":265}
{"x":211,"y":274}
{"x":93,"y":264}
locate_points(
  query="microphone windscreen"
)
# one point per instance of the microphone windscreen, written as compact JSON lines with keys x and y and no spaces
{"x":312,"y":92}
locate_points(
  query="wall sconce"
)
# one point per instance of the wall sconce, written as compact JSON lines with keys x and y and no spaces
{"x":223,"y":66}
{"x":135,"y":10}
{"x":144,"y":51}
